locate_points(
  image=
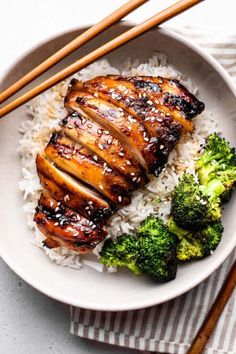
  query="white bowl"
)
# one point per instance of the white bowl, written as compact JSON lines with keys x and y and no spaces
{"x":88,"y":288}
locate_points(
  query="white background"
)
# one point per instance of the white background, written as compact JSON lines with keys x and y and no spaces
{"x":29,"y":321}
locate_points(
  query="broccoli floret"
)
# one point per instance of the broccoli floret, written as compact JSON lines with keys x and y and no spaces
{"x":190,"y":208}
{"x":195,"y":204}
{"x":152,"y":251}
{"x":122,"y":252}
{"x":216,"y":167}
{"x":196,"y":244}
{"x":157,"y":250}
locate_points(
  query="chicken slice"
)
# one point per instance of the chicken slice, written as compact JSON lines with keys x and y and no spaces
{"x":53,"y":218}
{"x":80,"y":163}
{"x":55,"y":242}
{"x":91,"y":135}
{"x":126,"y":95}
{"x":71,"y":192}
{"x":168,"y":94}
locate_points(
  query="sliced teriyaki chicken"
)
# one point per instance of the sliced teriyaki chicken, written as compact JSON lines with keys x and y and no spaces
{"x":71,"y":192}
{"x":86,"y":166}
{"x":130,"y":131}
{"x":117,"y":128}
{"x":163,"y":131}
{"x":66,"y":226}
{"x":91,"y":135}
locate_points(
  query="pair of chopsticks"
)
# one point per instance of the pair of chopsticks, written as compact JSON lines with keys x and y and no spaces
{"x":210,"y":322}
{"x":131,"y":5}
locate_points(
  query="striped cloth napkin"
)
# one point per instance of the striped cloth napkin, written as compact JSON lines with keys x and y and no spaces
{"x":171,"y":327}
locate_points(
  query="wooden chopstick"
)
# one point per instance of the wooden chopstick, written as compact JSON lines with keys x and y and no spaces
{"x":210,"y":322}
{"x":71,"y":47}
{"x":157,"y":19}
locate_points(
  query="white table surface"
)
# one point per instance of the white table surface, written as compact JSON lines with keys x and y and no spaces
{"x":29,"y":321}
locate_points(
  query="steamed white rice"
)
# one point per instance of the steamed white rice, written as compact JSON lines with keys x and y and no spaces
{"x":47,"y":110}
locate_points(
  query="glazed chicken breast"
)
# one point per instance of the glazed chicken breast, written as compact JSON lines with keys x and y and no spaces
{"x":118,"y":131}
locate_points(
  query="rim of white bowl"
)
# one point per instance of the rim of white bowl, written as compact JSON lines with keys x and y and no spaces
{"x":197,"y":280}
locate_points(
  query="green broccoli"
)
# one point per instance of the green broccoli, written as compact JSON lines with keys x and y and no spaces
{"x":190,"y":208}
{"x":151,"y":251}
{"x":195,"y":204}
{"x":122,"y":252}
{"x":216,"y":167}
{"x":196,"y":244}
{"x":157,"y":250}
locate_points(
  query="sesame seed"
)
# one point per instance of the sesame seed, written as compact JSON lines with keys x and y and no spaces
{"x":95,"y":157}
{"x":56,"y":223}
{"x":99,"y":131}
{"x":128,"y":162}
{"x":57,"y":208}
{"x":161,"y":147}
{"x":58,"y":215}
{"x":100,"y":146}
{"x":106,"y":132}
{"x":69,"y":126}
{"x":109,"y":141}
{"x":132,"y":174}
{"x":146,"y":139}
{"x":120,"y":198}
{"x":101,"y":187}
{"x":150,"y":102}
{"x":121,"y":154}
{"x":95,"y":94}
{"x":66,"y":197}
